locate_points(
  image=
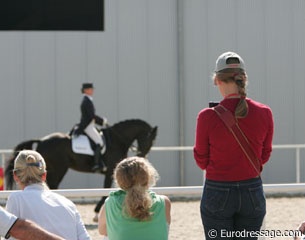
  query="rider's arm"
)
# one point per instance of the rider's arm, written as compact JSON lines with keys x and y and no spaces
{"x":100,"y":121}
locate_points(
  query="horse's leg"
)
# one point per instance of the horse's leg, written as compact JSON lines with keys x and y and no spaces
{"x":99,"y":204}
{"x":107,"y":184}
{"x":54,"y":178}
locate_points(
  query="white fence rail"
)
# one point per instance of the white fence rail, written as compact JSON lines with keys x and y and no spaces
{"x":296,"y":188}
{"x":269,"y":188}
{"x":297,"y":148}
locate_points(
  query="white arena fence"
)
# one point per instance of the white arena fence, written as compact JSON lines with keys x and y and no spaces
{"x":290,"y":188}
{"x":297,"y":148}
{"x":271,"y":189}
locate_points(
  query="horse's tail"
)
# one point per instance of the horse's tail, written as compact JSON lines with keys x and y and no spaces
{"x":10,"y":162}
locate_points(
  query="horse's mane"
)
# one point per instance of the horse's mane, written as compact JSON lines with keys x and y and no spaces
{"x":123,"y":124}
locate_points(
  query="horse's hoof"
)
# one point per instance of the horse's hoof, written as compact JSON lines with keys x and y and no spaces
{"x":95,"y":219}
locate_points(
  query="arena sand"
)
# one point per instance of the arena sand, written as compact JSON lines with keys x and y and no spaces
{"x":284,"y":213}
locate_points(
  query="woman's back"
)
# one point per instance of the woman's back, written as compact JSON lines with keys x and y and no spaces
{"x":120,"y":226}
{"x":51,"y":211}
{"x":216,"y":145}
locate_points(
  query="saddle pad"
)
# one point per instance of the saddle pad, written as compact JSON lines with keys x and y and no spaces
{"x":81,"y":144}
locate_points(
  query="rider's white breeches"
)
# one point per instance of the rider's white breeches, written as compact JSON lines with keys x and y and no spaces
{"x":91,"y":131}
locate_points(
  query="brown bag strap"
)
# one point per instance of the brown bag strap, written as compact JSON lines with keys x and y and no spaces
{"x":230,"y":121}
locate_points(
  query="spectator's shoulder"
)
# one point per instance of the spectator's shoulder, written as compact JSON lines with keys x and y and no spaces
{"x":206,"y":113}
{"x":259,"y":105}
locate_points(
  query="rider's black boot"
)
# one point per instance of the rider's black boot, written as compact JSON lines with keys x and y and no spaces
{"x":99,"y":164}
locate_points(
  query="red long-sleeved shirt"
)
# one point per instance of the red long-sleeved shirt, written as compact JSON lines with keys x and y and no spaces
{"x":216,"y":149}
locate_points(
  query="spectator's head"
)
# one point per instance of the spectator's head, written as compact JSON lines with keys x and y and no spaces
{"x":29,"y":168}
{"x":135,"y":175}
{"x":230,"y":74}
{"x":135,"y":172}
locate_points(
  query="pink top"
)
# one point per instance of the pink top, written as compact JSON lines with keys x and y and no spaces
{"x":216,"y":149}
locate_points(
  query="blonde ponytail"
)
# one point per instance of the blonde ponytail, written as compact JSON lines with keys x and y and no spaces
{"x":135,"y":175}
{"x":138,"y":203}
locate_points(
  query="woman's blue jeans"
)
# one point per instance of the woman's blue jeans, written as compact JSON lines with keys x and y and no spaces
{"x":233,"y":210}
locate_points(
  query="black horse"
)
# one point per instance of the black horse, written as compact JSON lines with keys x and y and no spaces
{"x":57,"y":151}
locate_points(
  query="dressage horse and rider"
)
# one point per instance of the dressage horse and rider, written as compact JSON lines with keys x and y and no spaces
{"x":62,"y":151}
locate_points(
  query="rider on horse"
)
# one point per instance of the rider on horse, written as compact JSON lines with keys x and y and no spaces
{"x":87,"y":125}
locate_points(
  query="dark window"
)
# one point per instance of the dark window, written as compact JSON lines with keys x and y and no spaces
{"x":52,"y":15}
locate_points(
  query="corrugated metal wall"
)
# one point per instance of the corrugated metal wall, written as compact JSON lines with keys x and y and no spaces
{"x":149,"y":49}
{"x":271,"y":38}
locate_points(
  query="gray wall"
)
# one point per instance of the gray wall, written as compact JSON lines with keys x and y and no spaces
{"x":154,"y":61}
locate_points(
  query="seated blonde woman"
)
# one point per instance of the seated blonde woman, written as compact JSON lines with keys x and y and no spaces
{"x":135,"y":212}
{"x":36,"y":202}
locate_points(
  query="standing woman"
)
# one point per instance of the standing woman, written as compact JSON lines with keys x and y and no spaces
{"x":233,"y":197}
{"x":134,"y":212}
{"x":37,"y":203}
